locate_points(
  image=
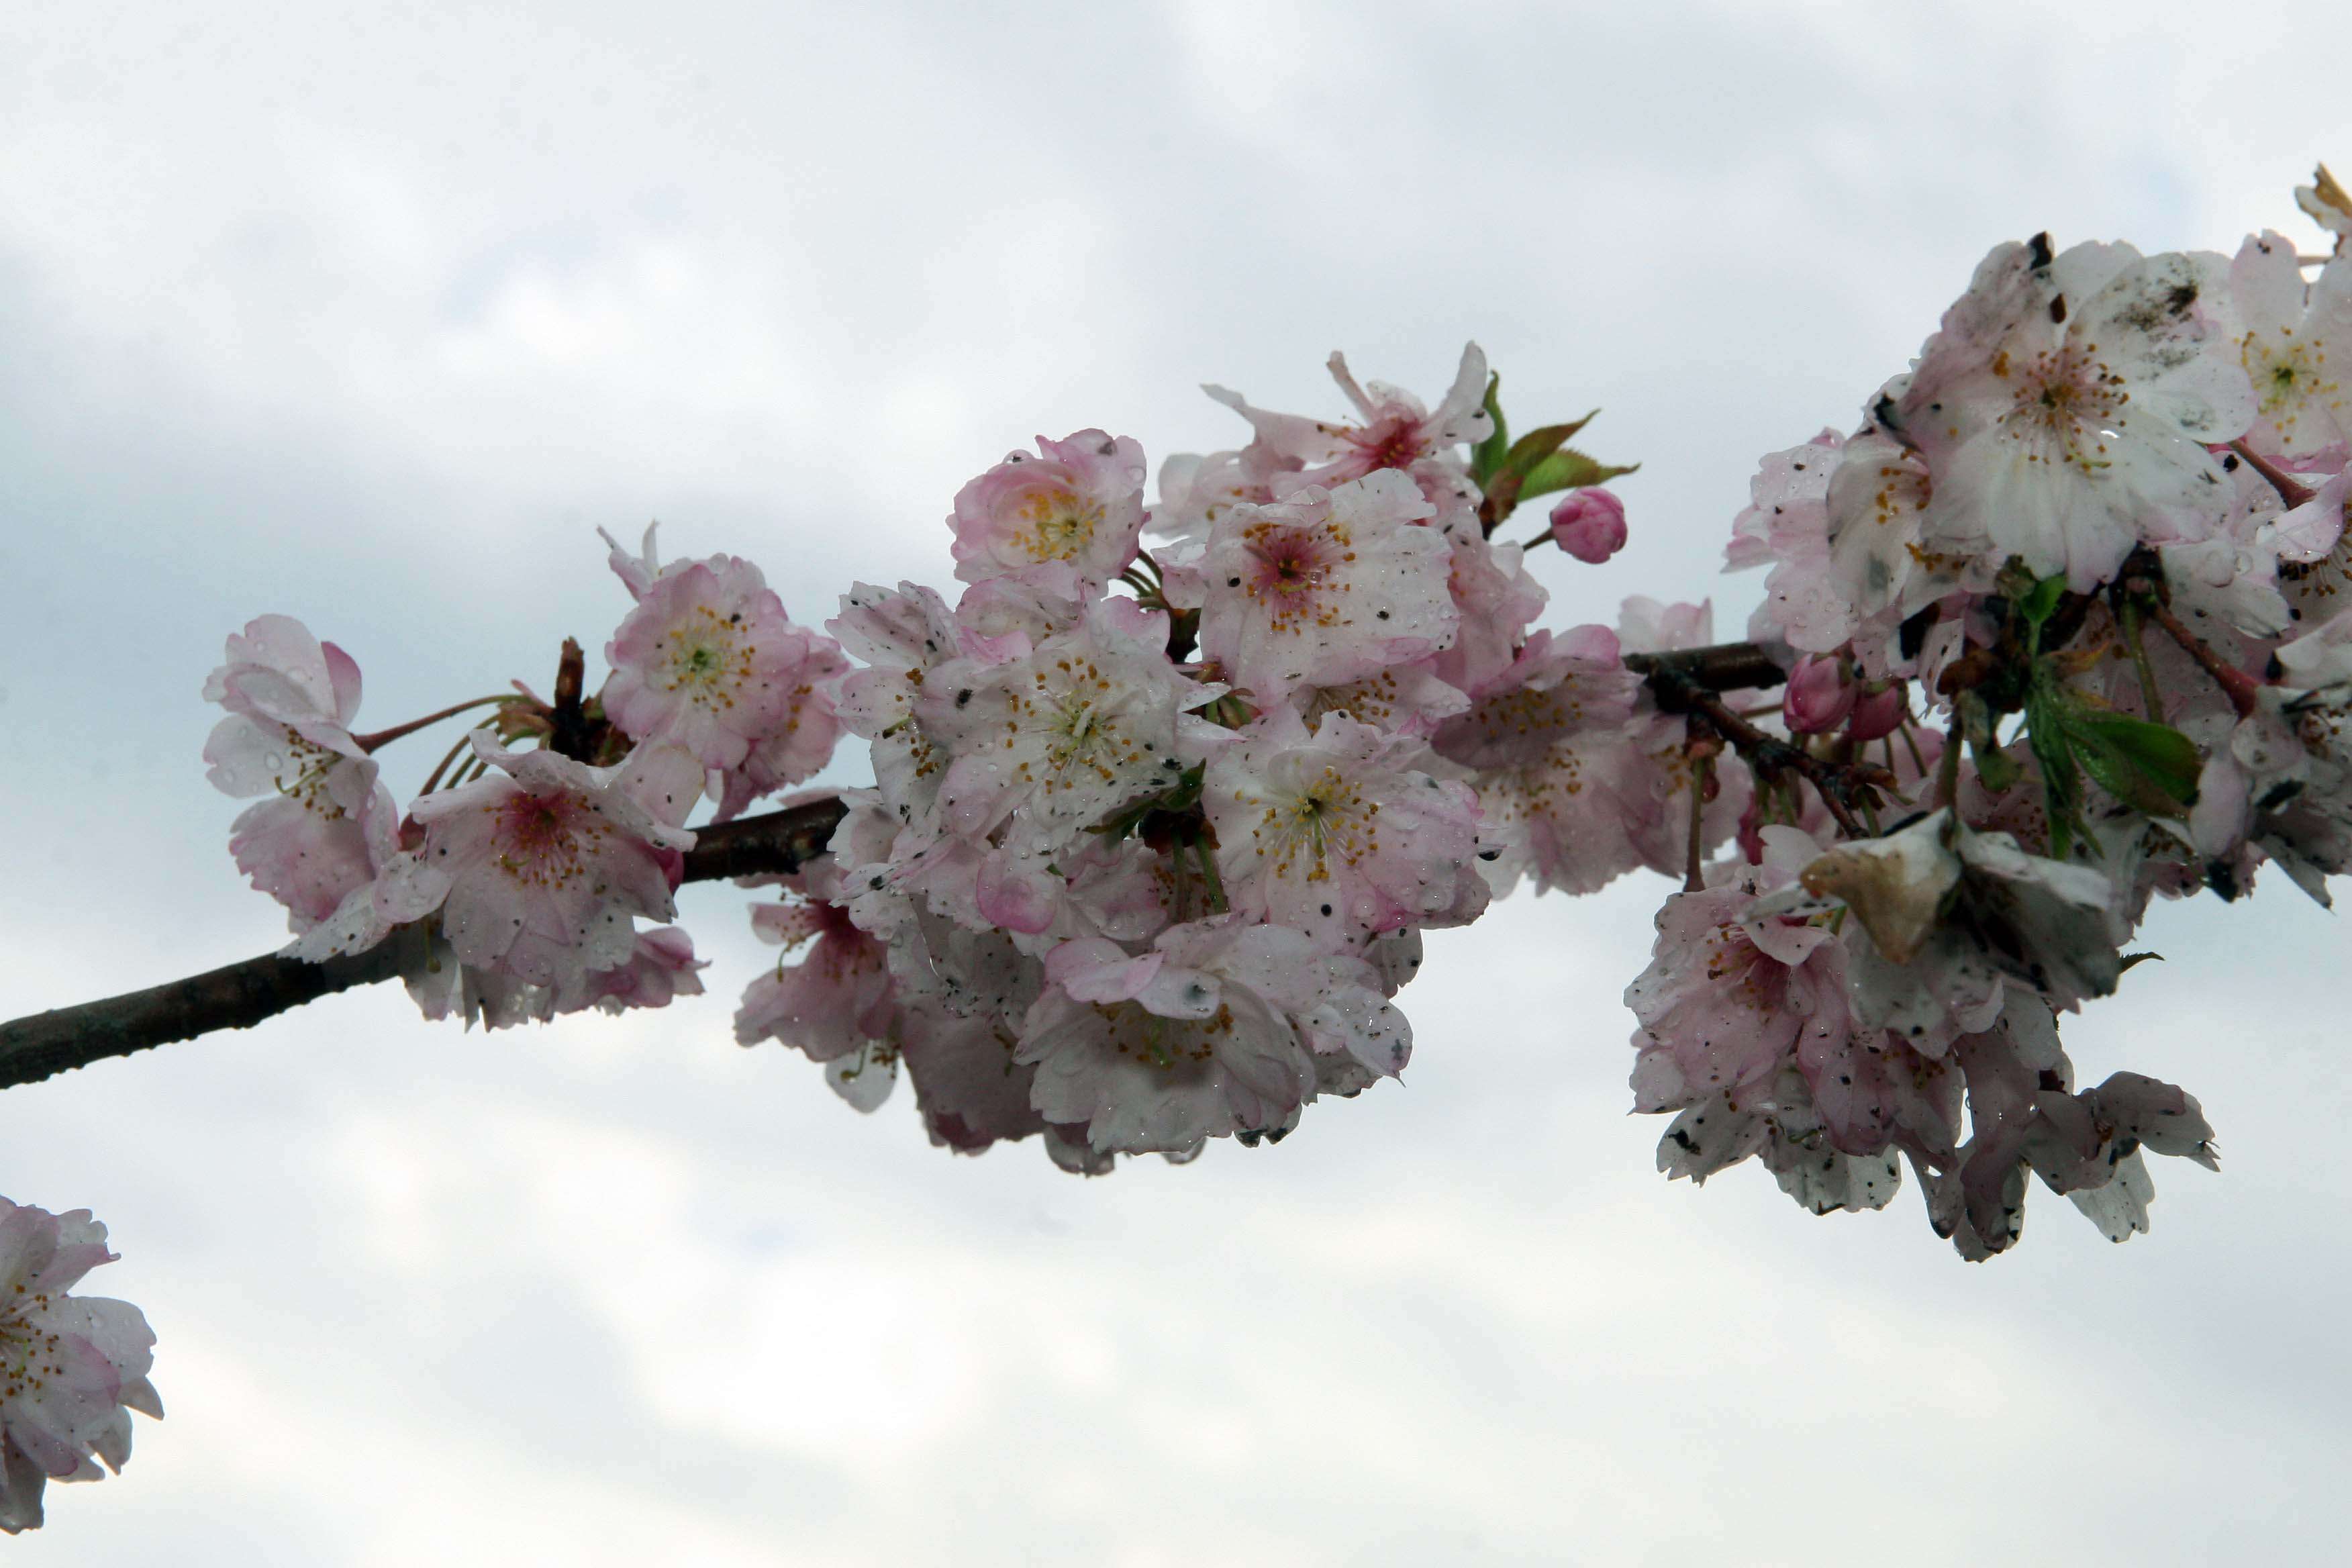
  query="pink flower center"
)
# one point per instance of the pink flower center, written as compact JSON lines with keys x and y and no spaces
{"x":546,"y":841}
{"x":1393,"y":441}
{"x":1295,"y":572}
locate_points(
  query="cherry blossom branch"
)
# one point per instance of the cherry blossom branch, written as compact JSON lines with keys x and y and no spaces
{"x":1724,"y":667}
{"x":1687,"y":682}
{"x":239,"y":995}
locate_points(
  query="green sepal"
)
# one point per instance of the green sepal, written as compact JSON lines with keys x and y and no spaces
{"x":1487,"y":455}
{"x":1568,"y":469}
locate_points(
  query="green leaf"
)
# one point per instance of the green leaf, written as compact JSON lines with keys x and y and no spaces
{"x":2149,"y":767}
{"x":1487,"y":455}
{"x":1567,"y":470}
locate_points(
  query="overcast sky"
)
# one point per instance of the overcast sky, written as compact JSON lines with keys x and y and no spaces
{"x":372,"y":315}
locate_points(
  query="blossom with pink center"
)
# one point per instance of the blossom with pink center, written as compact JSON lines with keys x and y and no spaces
{"x":837,"y":999}
{"x":1396,"y":432}
{"x":1343,"y":833}
{"x":1325,"y":588}
{"x":1726,"y":997}
{"x":1556,"y":769}
{"x":1208,"y":1034}
{"x":72,"y":1368}
{"x":710,"y":661}
{"x":1042,"y":746}
{"x":543,"y":871}
{"x":1079,"y":500}
{"x":2066,"y":406}
{"x":1589,"y":524}
{"x":290,"y":700}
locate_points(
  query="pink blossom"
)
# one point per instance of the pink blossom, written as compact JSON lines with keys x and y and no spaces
{"x":2294,"y":344}
{"x":1497,"y":599}
{"x":1042,"y":746}
{"x":1726,"y":998}
{"x":1819,"y":696}
{"x":971,"y":1090}
{"x":2066,"y":405}
{"x":1198,"y":1038}
{"x":290,"y":700}
{"x":1325,"y":588}
{"x":1195,"y":491}
{"x":1555,"y":765}
{"x":837,"y":998}
{"x":1397,"y":432}
{"x":72,"y":1368}
{"x":662,"y":967}
{"x":902,"y":636}
{"x":710,"y":661}
{"x":1404,"y":700}
{"x":1079,"y":500}
{"x":543,"y":870}
{"x":1343,"y":833}
{"x":1589,"y":524}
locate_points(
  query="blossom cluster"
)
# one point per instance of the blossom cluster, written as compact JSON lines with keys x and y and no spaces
{"x":2066,"y":609}
{"x":1165,"y":794}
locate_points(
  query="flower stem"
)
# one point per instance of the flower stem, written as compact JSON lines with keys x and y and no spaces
{"x":2291,"y":490}
{"x":1209,"y":876}
{"x":1947,"y":771}
{"x":369,"y":742}
{"x":433,"y":779}
{"x":2150,"y":696}
{"x":2236,"y":684}
{"x":1693,"y":870}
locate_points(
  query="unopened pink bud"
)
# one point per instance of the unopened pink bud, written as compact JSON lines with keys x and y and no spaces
{"x":1877,"y":714}
{"x":1588,"y":525}
{"x":1819,"y":696}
